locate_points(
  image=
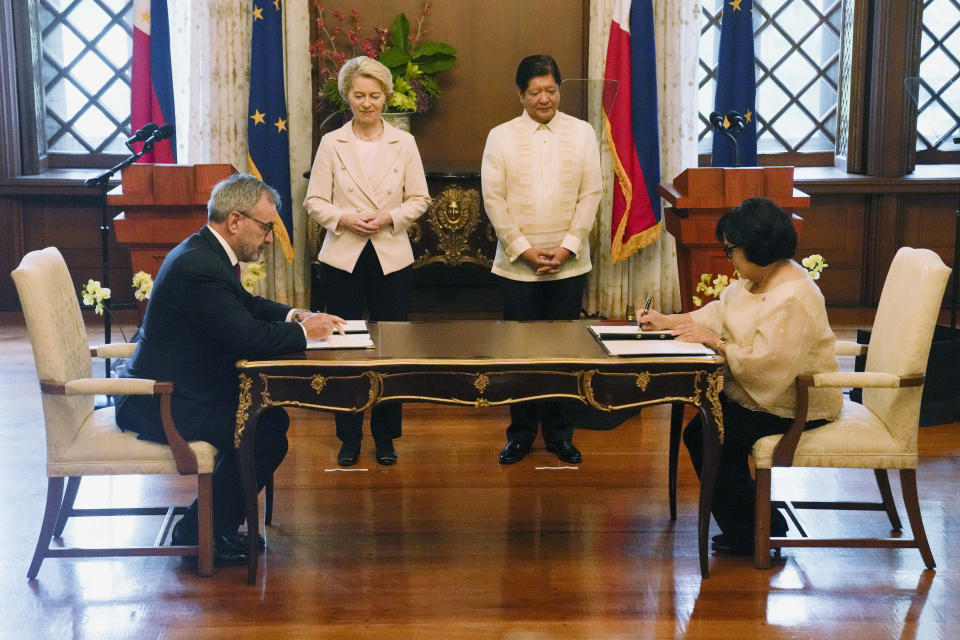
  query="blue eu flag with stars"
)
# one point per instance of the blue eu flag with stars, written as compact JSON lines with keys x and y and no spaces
{"x":736,"y":83}
{"x":268,"y":142}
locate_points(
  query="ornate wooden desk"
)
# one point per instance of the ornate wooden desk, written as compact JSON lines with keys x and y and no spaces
{"x":478,"y":363}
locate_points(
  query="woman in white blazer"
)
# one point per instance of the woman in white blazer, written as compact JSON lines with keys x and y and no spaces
{"x":366,"y":188}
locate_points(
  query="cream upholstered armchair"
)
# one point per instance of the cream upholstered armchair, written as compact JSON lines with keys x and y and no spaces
{"x":81,"y":441}
{"x":879,"y":434}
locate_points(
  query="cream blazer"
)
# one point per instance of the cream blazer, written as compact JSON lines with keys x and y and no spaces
{"x":339,"y":184}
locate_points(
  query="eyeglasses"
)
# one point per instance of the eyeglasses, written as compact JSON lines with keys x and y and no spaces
{"x":266,"y":226}
{"x":728,"y":250}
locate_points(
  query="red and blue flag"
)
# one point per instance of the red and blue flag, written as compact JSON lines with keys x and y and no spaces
{"x":151,"y":76}
{"x":631,"y":127}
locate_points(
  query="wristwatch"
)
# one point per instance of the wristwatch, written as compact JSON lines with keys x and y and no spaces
{"x":297,"y":316}
{"x":720,"y":342}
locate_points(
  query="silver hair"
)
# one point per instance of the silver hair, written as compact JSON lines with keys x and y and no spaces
{"x":239,"y":192}
{"x":368,"y":68}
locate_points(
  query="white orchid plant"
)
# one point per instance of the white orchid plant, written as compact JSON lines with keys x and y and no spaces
{"x":711,"y":286}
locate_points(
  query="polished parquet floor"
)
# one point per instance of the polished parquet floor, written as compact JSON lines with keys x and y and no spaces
{"x":449,"y":544}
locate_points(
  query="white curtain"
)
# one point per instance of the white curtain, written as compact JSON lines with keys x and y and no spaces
{"x":653,"y":270}
{"x":210,"y":50}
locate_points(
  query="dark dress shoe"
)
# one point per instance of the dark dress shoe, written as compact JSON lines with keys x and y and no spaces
{"x":565,"y":450}
{"x":386,"y":453}
{"x":226,"y":553}
{"x":242,"y":539}
{"x":348,"y":454}
{"x":728,"y":547}
{"x":514,"y":452}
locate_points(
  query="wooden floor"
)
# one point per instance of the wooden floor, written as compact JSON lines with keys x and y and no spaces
{"x":449,"y":544}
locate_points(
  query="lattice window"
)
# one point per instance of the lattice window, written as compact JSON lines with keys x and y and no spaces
{"x":87,"y":46}
{"x":797,"y":52}
{"x":937,"y":90}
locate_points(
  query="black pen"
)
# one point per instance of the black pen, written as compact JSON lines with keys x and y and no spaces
{"x":646,"y":307}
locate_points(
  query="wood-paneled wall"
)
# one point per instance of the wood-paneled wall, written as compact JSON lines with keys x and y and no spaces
{"x":491,"y":37}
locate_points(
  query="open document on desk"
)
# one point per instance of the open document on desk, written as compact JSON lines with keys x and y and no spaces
{"x":337,"y":341}
{"x":625,"y":340}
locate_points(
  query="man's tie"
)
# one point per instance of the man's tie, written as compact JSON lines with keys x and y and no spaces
{"x":236,"y":270}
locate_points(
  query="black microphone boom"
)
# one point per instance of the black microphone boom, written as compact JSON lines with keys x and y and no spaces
{"x":142,"y":133}
{"x":163,"y":132}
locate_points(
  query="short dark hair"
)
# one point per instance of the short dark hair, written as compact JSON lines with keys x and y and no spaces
{"x":535,"y":66}
{"x":762,"y":230}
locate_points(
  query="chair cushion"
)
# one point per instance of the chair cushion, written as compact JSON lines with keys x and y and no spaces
{"x":857,"y":439}
{"x":101,"y":448}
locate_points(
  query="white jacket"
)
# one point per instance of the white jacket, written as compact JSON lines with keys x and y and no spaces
{"x":339,"y":184}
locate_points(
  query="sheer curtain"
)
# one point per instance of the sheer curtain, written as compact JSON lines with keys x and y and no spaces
{"x":652,"y":270}
{"x":210,"y":48}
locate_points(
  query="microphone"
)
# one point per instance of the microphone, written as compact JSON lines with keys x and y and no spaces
{"x":163,"y":132}
{"x":737,"y":122}
{"x":716,"y":119}
{"x":142,"y":133}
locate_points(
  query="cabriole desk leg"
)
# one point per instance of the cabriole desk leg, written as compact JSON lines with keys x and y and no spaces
{"x":248,"y":415}
{"x":708,"y":475}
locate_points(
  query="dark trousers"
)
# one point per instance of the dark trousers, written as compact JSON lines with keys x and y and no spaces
{"x":544,"y":300}
{"x":387,"y":298}
{"x":229,"y":511}
{"x":734,"y":489}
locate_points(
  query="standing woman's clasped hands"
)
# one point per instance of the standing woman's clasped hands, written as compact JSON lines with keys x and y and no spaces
{"x":365,"y":224}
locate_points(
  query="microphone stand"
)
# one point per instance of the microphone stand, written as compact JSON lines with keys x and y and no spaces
{"x":717,"y":120}
{"x":102,"y":183}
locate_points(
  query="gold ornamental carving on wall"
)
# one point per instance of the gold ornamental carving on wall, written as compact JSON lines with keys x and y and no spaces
{"x":453,"y":216}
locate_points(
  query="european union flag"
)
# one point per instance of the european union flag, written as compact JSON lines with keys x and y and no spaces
{"x":268,"y":144}
{"x":736,"y":82}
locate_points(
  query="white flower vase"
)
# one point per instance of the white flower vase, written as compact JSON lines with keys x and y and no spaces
{"x":400,"y":120}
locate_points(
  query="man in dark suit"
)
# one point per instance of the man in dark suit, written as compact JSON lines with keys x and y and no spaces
{"x":199,"y":322}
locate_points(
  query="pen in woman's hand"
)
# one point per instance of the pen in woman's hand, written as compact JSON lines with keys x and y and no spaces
{"x":646,"y":308}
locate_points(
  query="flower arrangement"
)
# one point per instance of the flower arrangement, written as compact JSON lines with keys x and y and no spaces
{"x":253,"y":273}
{"x":412,"y":61}
{"x":711,"y":286}
{"x":96,"y":296}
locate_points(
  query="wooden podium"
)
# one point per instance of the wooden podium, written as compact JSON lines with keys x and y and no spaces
{"x":700,"y":196}
{"x":162,"y":204}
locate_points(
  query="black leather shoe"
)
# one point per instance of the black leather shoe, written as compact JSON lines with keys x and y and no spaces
{"x":348,"y":454}
{"x":725,"y":546}
{"x":565,"y":450}
{"x":514,"y":452}
{"x":386,"y":454}
{"x":226,"y":553}
{"x":242,"y":539}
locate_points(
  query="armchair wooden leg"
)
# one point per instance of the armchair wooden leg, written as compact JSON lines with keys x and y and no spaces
{"x":66,"y":507}
{"x":205,"y":524}
{"x":54,"y":497}
{"x":676,"y":428}
{"x":761,"y":527}
{"x":883,"y":483}
{"x":268,"y":501}
{"x":908,"y":484}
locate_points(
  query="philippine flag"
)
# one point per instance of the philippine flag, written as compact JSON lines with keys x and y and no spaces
{"x":630,"y":127}
{"x":151,"y":76}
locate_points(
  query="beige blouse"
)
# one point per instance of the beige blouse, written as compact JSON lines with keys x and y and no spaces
{"x":773,"y":337}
